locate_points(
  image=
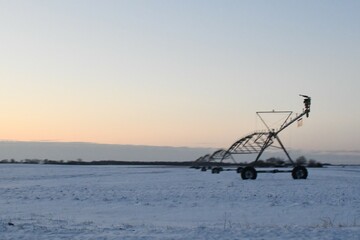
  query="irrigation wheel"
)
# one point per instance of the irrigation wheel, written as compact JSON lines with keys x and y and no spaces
{"x":299,"y":172}
{"x":248,"y":173}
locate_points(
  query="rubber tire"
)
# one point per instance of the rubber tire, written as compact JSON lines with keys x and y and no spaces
{"x":299,"y":172}
{"x":248,"y":173}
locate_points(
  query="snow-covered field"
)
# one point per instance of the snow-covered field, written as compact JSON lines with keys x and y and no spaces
{"x":125,"y":202}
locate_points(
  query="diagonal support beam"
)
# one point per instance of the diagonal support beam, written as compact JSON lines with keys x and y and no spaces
{"x":267,"y":143}
{"x":283,"y":148}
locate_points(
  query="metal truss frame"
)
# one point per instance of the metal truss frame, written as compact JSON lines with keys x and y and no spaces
{"x":258,"y":142}
{"x":221,"y":155}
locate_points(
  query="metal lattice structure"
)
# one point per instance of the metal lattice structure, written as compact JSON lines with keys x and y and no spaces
{"x":249,"y":144}
{"x":202,"y":159}
{"x":258,"y":142}
{"x":221,"y":155}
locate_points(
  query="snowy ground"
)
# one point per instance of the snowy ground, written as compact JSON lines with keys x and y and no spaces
{"x":121,"y":202}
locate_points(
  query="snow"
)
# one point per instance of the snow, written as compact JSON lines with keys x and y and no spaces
{"x":140,"y":202}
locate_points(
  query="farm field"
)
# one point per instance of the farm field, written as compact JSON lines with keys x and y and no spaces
{"x":142,"y":202}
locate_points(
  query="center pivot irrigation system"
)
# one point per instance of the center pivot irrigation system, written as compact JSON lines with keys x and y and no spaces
{"x":256,"y":143}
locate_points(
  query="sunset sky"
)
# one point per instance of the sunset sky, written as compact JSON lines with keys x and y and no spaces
{"x":178,"y":73}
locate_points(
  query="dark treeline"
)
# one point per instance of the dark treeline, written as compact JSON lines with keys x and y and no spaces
{"x":111,"y":162}
{"x":271,"y":162}
{"x":100,"y":162}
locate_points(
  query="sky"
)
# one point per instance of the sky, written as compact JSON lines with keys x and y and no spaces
{"x":178,"y":73}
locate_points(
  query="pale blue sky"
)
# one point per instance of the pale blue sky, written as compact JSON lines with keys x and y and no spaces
{"x":178,"y":73}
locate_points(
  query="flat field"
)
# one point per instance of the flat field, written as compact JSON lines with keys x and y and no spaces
{"x":135,"y":202}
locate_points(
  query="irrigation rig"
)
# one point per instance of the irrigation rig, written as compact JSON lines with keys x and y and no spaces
{"x":256,"y":143}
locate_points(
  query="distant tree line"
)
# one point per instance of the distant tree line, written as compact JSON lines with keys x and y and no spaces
{"x":100,"y":162}
{"x":270,"y":162}
{"x":279,"y":162}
